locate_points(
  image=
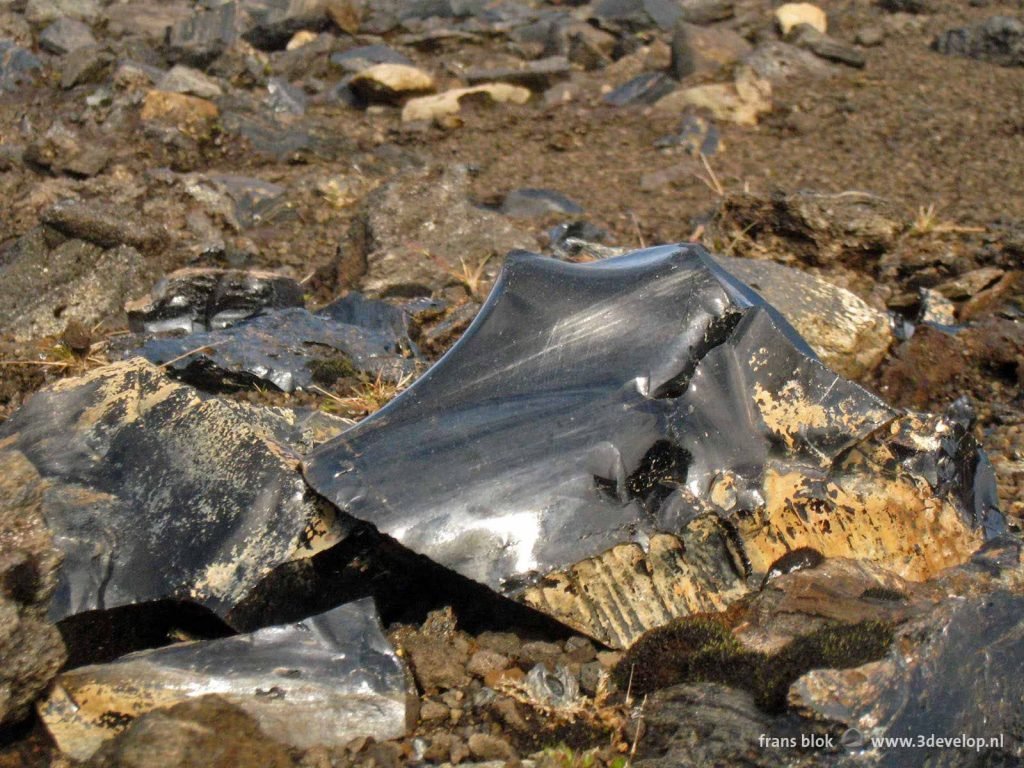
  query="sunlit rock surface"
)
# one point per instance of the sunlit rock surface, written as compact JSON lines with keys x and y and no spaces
{"x":324,"y":681}
{"x":622,"y":442}
{"x":156,"y":492}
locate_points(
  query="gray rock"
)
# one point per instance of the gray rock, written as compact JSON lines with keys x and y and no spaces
{"x":159,"y":494}
{"x":906,"y":6}
{"x":104,"y":224}
{"x":42,"y":12}
{"x":18,"y":67}
{"x":779,"y":62}
{"x":43,"y":289}
{"x":638,"y":15}
{"x":273,"y":22}
{"x":29,"y":645}
{"x":182,"y":79}
{"x":692,"y":726}
{"x":645,"y":88}
{"x":365,"y":56}
{"x":326,"y":680}
{"x":707,"y":11}
{"x":147,"y":19}
{"x":537,"y":75}
{"x":526,"y":203}
{"x":204,"y":36}
{"x":430,"y":208}
{"x":285,"y":97}
{"x":203,"y":299}
{"x":85,"y":65}
{"x":999,"y":39}
{"x":66,"y":35}
{"x":822,"y":45}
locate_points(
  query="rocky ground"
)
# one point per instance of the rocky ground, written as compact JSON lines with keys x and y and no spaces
{"x":327,"y":144}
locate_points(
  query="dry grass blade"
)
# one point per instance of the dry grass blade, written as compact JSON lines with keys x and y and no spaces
{"x":183,"y":355}
{"x":927,"y":223}
{"x":43,"y":363}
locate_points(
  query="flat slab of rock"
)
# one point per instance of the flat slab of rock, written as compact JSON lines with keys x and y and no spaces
{"x":326,"y":680}
{"x":598,"y":425}
{"x":160,"y":494}
{"x":450,"y":102}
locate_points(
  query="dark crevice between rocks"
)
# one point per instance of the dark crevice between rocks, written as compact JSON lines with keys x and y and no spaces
{"x":405,"y":586}
{"x":96,"y":637}
{"x":717,"y":333}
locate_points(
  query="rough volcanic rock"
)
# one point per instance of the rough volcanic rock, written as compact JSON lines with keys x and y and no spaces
{"x":599,"y":443}
{"x":207,"y":731}
{"x":158,"y":494}
{"x":29,"y":645}
{"x":203,"y":299}
{"x":324,"y":681}
{"x":416,"y":234}
{"x":44,"y":288}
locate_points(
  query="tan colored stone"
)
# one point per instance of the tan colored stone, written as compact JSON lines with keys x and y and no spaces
{"x":391,"y":83}
{"x":791,"y":15}
{"x":742,"y":101}
{"x":301,"y":38}
{"x":449,"y":102}
{"x":190,"y":114}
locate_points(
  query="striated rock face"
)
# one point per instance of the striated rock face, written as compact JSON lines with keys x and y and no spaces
{"x":29,"y":645}
{"x":623,"y":442}
{"x":335,"y":673}
{"x":157,"y":493}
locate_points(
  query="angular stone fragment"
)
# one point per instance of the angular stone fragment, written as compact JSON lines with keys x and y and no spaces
{"x":182,"y":79}
{"x":537,"y":75}
{"x":189,"y":114}
{"x":391,"y":83}
{"x":630,"y":440}
{"x":203,"y":37}
{"x":324,"y":681}
{"x":66,"y":35}
{"x":17,"y":66}
{"x":450,"y":102}
{"x":203,"y":299}
{"x":159,"y":494}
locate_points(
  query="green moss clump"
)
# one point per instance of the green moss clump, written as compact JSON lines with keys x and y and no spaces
{"x":327,"y":370}
{"x":702,"y":649}
{"x":685,"y":650}
{"x":885,"y":593}
{"x":839,"y":646}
